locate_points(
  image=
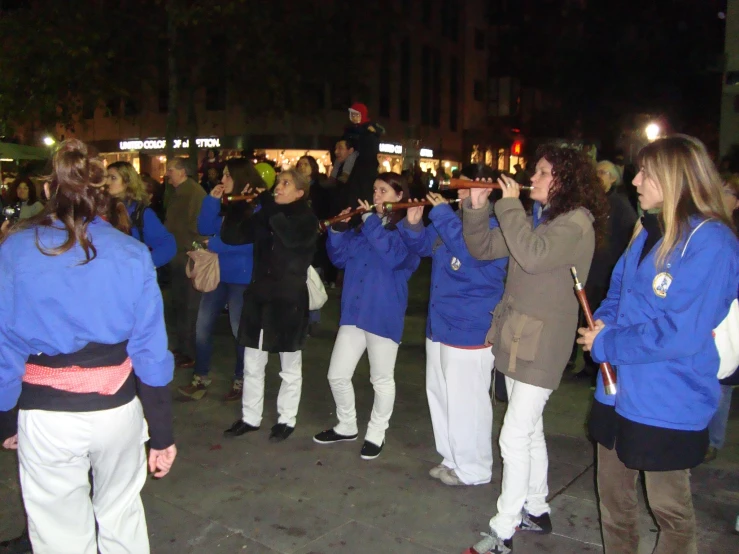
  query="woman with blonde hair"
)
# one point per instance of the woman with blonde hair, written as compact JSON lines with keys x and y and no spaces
{"x":125,"y":183}
{"x":670,"y":289}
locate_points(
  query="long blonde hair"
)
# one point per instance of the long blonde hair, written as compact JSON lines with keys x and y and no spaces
{"x":690,"y":186}
{"x":135,"y":187}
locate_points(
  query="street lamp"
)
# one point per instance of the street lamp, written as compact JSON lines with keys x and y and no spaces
{"x":48,"y":141}
{"x":652,"y":132}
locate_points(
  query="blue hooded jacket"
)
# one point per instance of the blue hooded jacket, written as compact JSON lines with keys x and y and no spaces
{"x":235,"y":262}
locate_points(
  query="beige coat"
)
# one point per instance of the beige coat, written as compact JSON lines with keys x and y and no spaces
{"x":535,"y":323}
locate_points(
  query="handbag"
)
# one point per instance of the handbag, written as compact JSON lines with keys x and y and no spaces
{"x":726,"y":334}
{"x":317,"y":296}
{"x":203,"y":270}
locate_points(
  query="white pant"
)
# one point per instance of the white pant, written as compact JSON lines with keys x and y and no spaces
{"x":56,"y":451}
{"x":525,"y":460}
{"x":252,"y":396}
{"x":350,"y":344}
{"x":458,"y":390}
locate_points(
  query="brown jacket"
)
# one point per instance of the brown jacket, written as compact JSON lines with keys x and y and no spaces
{"x":182,"y":217}
{"x":535,"y":322}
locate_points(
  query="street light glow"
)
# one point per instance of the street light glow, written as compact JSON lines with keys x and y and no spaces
{"x":48,"y":141}
{"x":652,"y":131}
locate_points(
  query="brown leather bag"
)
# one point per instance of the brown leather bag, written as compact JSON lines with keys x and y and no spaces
{"x":203,"y":269}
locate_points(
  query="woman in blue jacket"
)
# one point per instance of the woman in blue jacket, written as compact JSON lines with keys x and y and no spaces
{"x":669,"y":290}
{"x":464,"y":292}
{"x":235,"y":265}
{"x":377,"y":266}
{"x":125,"y":183}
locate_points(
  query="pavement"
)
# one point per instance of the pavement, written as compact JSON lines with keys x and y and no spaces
{"x":247,"y":495}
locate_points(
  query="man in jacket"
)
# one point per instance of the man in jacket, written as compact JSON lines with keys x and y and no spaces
{"x":182,"y":222}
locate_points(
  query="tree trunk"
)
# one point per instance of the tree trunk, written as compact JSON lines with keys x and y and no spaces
{"x":174,"y":91}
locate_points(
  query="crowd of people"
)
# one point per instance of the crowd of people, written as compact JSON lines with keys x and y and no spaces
{"x":91,"y":378}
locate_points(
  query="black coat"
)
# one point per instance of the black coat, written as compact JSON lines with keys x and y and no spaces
{"x":364,"y":173}
{"x":276,"y":301}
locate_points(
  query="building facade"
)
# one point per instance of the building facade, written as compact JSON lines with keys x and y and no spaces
{"x":729,"y":127}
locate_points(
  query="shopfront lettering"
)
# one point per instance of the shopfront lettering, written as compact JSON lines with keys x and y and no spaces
{"x":426,"y":153}
{"x":159,"y":144}
{"x":389,"y":148}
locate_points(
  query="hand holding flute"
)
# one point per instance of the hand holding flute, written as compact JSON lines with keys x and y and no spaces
{"x":587,"y":335}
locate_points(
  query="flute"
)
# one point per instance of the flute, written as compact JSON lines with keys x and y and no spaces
{"x":326,"y":223}
{"x":391,"y":206}
{"x":606,"y":369}
{"x":456,"y":184}
{"x":226,"y":199}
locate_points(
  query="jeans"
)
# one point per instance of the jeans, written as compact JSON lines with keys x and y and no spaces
{"x":717,"y":427}
{"x":668,"y":493}
{"x":314,"y":316}
{"x":211,"y":305}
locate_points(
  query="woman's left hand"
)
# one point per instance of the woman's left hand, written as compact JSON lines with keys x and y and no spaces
{"x":587,"y":336}
{"x":510,"y":188}
{"x":11,"y":443}
{"x":366,"y":205}
{"x":435,"y":198}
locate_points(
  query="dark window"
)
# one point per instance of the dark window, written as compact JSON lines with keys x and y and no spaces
{"x":113,"y":107}
{"x":450,"y":20}
{"x":426,"y":12}
{"x":479,"y":40}
{"x":426,"y":86}
{"x":406,"y":7}
{"x":453,"y":94}
{"x":436,"y":89}
{"x":479,"y":91}
{"x":131,"y":107}
{"x":215,"y":98}
{"x":385,"y":69}
{"x":405,"y":80}
{"x":88,"y":109}
{"x":494,"y":11}
{"x":163,"y":100}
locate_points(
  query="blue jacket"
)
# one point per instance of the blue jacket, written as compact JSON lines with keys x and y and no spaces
{"x":54,"y":305}
{"x":161,"y":242}
{"x":235,"y":262}
{"x":377,"y":267}
{"x":662,"y":343}
{"x":464,"y":290}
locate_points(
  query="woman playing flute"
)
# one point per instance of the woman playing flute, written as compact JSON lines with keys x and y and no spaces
{"x":534,"y":324}
{"x":377,"y":267}
{"x":669,"y":290}
{"x":464,"y":292}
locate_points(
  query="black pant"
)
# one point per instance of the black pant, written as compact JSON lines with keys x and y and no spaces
{"x":184,"y":305}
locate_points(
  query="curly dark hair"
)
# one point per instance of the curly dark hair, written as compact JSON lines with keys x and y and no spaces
{"x":575,"y":185}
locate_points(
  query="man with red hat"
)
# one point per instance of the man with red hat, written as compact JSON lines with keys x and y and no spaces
{"x":365,"y":134}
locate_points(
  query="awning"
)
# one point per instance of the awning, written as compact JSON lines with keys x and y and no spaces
{"x":11,"y":151}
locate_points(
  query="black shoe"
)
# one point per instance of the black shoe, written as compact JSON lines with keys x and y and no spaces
{"x":370,"y":450}
{"x":329,"y":436}
{"x":18,"y":545}
{"x":536,"y":524}
{"x":239,"y":428}
{"x":280,"y":432}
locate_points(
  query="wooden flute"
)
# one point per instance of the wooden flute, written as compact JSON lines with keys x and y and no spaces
{"x":606,"y":370}
{"x":227,"y":199}
{"x":391,"y":206}
{"x":326,"y":223}
{"x":456,"y":184}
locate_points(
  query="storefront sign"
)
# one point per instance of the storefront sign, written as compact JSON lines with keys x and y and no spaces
{"x":389,"y":148}
{"x":159,"y":144}
{"x":426,"y":153}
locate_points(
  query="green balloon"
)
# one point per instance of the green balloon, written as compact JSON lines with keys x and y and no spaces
{"x":267,"y":172}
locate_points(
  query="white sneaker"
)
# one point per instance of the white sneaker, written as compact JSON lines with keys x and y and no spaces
{"x":449,"y":477}
{"x":437,"y":471}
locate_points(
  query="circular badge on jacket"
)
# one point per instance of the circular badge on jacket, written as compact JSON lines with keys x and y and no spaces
{"x":456,"y":264}
{"x":661,"y":283}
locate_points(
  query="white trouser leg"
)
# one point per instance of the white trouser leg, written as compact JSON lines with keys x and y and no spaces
{"x":438,"y":402}
{"x":288,"y":398}
{"x":382,"y":353}
{"x":525,"y":460}
{"x":252,"y":395}
{"x":467,"y":376}
{"x":56,"y":451}
{"x":348,"y":349}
